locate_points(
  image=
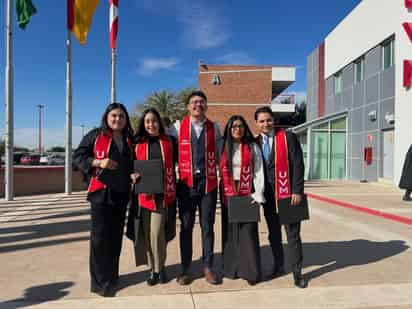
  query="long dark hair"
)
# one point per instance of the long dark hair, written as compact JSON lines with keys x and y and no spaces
{"x":141,"y":130}
{"x":104,"y":127}
{"x":247,"y":138}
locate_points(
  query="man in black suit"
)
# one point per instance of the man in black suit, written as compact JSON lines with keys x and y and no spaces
{"x":265,"y":122}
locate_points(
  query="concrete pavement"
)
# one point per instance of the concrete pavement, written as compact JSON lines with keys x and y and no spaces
{"x":352,"y":259}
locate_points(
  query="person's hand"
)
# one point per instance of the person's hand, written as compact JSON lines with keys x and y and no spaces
{"x":108,"y":163}
{"x":134,"y":177}
{"x":296,"y":199}
{"x":255,"y":203}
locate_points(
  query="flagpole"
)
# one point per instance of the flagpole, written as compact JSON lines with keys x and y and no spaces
{"x":9,"y":173}
{"x":68,"y":147}
{"x":113,"y":92}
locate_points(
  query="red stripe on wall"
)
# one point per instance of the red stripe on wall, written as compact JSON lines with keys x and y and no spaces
{"x":321,"y":80}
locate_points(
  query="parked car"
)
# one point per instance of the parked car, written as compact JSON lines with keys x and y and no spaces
{"x":17,"y":157}
{"x":32,"y":159}
{"x":44,"y":160}
{"x":56,"y":160}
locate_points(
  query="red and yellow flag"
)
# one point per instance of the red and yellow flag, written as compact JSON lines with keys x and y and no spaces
{"x":79,"y":17}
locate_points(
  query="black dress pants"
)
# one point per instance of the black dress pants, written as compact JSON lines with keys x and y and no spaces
{"x":275,"y":234}
{"x":189,"y":200}
{"x":105,"y":243}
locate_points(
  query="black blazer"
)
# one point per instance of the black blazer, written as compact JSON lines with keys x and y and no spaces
{"x":296,"y":164}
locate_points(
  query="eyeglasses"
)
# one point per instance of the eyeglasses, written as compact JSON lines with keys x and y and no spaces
{"x":200,"y":102}
{"x":241,"y":126}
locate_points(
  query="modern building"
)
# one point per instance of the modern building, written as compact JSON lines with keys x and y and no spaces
{"x":359,"y":101}
{"x":241,"y":89}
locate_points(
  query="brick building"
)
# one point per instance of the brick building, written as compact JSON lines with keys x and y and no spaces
{"x":240,"y":89}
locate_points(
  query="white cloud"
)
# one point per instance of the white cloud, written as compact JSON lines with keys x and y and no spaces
{"x":236,"y":58}
{"x":203,"y":26}
{"x":149,"y":66}
{"x":29,"y":137}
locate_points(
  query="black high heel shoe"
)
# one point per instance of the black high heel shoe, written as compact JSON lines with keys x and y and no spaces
{"x":153,"y":279}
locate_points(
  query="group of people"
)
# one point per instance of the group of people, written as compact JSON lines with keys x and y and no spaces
{"x":197,"y":165}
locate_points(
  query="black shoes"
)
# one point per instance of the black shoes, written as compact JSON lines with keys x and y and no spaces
{"x":110,"y":291}
{"x":299,"y":281}
{"x":407,"y":198}
{"x":153,"y":279}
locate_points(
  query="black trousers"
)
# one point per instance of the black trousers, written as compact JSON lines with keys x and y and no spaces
{"x":275,"y":234}
{"x":105,"y":243}
{"x":189,"y":200}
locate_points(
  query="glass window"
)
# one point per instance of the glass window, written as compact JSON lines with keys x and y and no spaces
{"x":339,"y":124}
{"x":322,"y":126}
{"x":338,"y":155}
{"x":319,"y":169}
{"x":387,"y":52}
{"x":338,"y":82}
{"x":359,"y":69}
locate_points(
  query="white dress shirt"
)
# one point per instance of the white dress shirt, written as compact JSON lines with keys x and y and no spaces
{"x":258,"y":172}
{"x":198,"y":127}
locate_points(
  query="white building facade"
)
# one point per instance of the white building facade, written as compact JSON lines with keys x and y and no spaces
{"x":359,"y":95}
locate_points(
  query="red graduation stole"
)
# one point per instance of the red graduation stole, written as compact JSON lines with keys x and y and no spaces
{"x":245,"y":182}
{"x":101,"y":151}
{"x":142,"y":153}
{"x":282,"y":175}
{"x":185,"y":154}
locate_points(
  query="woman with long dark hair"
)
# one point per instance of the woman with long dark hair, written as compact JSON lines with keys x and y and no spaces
{"x":242,"y":175}
{"x":108,"y":147}
{"x":158,"y":211}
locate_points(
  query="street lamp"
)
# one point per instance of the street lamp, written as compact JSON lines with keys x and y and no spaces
{"x":40,"y":107}
{"x":82,"y":126}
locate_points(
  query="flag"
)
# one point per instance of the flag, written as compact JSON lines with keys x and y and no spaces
{"x":114,"y":22}
{"x":25,"y":9}
{"x":79,"y":17}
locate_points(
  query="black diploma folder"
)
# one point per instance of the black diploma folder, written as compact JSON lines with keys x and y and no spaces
{"x":293,"y":214}
{"x":241,"y":210}
{"x":118,"y":179}
{"x":151,"y":176}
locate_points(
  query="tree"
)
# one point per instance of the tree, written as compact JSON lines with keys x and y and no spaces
{"x":167,"y":103}
{"x":163,"y":101}
{"x":297,"y":118}
{"x":56,"y":149}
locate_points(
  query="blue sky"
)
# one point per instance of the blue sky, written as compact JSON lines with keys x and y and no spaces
{"x":159,"y":44}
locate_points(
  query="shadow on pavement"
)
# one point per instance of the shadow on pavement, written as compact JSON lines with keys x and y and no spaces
{"x":335,"y":255}
{"x":52,"y":215}
{"x":39,"y":294}
{"x":41,"y":232}
{"x":330,"y":256}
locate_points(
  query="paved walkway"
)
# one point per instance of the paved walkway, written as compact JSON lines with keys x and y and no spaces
{"x":353,"y":259}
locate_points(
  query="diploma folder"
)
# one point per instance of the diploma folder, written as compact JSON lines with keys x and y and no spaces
{"x":292,"y":214}
{"x":151,"y":178}
{"x":241,"y":210}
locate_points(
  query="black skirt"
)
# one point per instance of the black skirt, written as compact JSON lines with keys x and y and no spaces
{"x":240,"y":249}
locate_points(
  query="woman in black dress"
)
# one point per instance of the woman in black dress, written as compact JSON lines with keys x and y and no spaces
{"x":242,"y":174}
{"x":107,"y":148}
